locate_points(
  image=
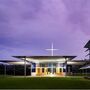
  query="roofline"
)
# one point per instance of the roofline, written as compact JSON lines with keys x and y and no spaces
{"x":7,"y":61}
{"x":70,"y":61}
{"x":79,"y":61}
{"x":71,"y":57}
{"x":87,"y":45}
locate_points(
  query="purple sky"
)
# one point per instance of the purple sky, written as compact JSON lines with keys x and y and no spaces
{"x":28,"y":27}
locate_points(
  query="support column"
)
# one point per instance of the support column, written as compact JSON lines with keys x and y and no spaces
{"x":37,"y":65}
{"x":38,"y":69}
{"x":89,"y":55}
{"x":5,"y":69}
{"x":45,"y":70}
{"x":62,"y":70}
{"x":66,"y":65}
{"x":58,"y":69}
{"x":25,"y":67}
{"x":14,"y":70}
{"x":86,"y":72}
{"x":52,"y":68}
{"x":69,"y":70}
{"x":31,"y":69}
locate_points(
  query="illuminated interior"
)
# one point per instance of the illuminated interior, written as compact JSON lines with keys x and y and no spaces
{"x":46,"y":69}
{"x":47,"y":65}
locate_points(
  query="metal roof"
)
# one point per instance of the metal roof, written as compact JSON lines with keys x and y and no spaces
{"x":87,"y":45}
{"x":14,"y":62}
{"x":7,"y":61}
{"x":76,"y":62}
{"x":68,"y":62}
{"x":45,"y":57}
{"x":85,"y":67}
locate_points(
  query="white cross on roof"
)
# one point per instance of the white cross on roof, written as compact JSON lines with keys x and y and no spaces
{"x":52,"y":49}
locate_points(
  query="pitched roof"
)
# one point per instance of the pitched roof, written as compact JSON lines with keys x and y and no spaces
{"x":87,"y":45}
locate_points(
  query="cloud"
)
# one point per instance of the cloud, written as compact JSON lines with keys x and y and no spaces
{"x":79,"y":14}
{"x":35,"y":24}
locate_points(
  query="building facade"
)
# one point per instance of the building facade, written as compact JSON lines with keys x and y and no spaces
{"x":47,"y":65}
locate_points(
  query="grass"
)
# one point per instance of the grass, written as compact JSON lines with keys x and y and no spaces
{"x":44,"y":83}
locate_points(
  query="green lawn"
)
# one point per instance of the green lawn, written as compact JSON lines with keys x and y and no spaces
{"x":44,"y":83}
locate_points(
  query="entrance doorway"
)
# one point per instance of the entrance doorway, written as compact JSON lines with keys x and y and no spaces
{"x":47,"y":71}
{"x":51,"y":70}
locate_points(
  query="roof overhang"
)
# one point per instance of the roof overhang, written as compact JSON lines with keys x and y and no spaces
{"x":13,"y":62}
{"x":85,"y":67}
{"x":18,"y":63}
{"x":76,"y":62}
{"x":45,"y":57}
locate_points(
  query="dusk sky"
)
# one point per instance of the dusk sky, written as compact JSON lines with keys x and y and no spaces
{"x":28,"y":27}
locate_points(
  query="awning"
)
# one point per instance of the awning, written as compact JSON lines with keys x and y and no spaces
{"x":85,"y":67}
